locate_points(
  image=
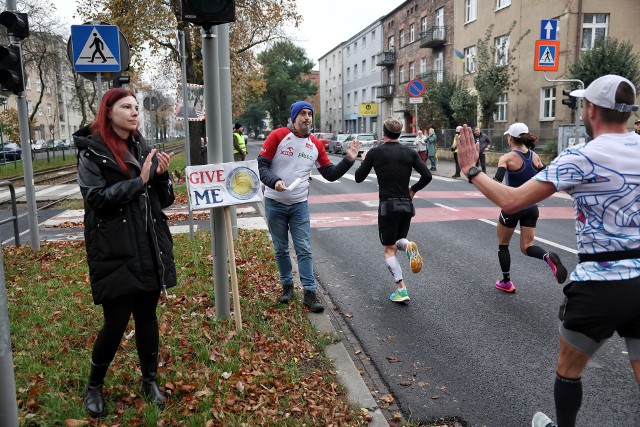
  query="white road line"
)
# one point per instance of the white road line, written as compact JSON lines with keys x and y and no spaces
{"x":548,"y":242}
{"x":447,"y":207}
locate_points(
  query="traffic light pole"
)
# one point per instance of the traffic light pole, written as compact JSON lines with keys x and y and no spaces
{"x":8,"y":402}
{"x":215,"y":142}
{"x":183,"y":63}
{"x":576,"y":127}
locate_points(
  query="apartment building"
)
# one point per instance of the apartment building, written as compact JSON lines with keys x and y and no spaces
{"x":534,"y":99}
{"x":360,"y":76}
{"x":330,"y":76}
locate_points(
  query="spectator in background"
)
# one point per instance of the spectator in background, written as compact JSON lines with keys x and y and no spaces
{"x":636,"y":124}
{"x":239,"y":145}
{"x":484,"y":144}
{"x":203,"y":151}
{"x":432,"y":147}
{"x":125,"y":186}
{"x":454,"y":149}
{"x":421,"y":146}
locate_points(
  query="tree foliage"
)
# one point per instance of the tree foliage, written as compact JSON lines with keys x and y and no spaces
{"x":492,"y":79}
{"x":9,"y":122}
{"x":284,"y":66}
{"x":608,"y":56}
{"x":448,"y":104}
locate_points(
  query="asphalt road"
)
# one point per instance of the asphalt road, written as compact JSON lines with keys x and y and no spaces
{"x":460,"y":348}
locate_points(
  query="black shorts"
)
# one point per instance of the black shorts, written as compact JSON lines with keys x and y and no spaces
{"x":393,"y":227}
{"x":598,"y":309}
{"x":527,"y":217}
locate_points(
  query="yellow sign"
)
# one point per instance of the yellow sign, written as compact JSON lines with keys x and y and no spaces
{"x":369,"y":109}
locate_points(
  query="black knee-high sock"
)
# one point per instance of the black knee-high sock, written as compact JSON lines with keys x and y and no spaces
{"x":567,"y":393}
{"x":505,"y":261}
{"x":536,"y":252}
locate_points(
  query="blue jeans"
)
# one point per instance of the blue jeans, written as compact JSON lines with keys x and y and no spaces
{"x":281,"y":219}
{"x":432,"y":159}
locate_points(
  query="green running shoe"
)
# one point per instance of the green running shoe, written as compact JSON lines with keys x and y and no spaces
{"x":400,"y":295}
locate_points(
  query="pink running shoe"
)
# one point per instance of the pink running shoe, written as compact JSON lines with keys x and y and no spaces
{"x":507,"y":287}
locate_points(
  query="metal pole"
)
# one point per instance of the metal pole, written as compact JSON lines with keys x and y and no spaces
{"x":213,"y":126}
{"x":99,"y":84}
{"x":225,"y":108}
{"x":417,"y":127}
{"x":183,"y":63}
{"x":8,"y":400}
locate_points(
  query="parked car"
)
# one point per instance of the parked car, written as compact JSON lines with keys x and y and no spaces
{"x":324,"y":137}
{"x":55,"y":144}
{"x":67,"y":143}
{"x":261,"y":136}
{"x":367,"y":141}
{"x":39,"y":145}
{"x":408,"y":140}
{"x":335,"y":143}
{"x":10,"y":152}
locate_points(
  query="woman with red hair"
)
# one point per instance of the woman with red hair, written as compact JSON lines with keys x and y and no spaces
{"x":125,"y":186}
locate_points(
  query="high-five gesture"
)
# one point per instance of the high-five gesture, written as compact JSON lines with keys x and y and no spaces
{"x":352,"y":151}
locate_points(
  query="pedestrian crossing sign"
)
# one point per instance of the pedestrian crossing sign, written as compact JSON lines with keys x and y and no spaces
{"x":96,"y":48}
{"x":546,"y":55}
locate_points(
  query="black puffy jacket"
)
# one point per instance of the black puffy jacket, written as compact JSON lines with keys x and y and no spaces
{"x":129,"y":245}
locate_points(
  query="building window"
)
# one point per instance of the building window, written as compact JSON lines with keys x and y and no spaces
{"x":348,"y":50}
{"x":501,"y":114}
{"x":401,"y":38}
{"x":29,"y":107}
{"x":438,"y":67}
{"x":402,"y":80}
{"x":412,"y":33}
{"x":423,"y":25}
{"x":348,"y":100}
{"x":364,"y":67}
{"x":470,"y":60}
{"x":502,"y":3}
{"x":355,"y":47}
{"x":355,"y":71}
{"x":390,"y":43}
{"x":364,"y":42}
{"x":5,"y":105}
{"x":40,"y":111}
{"x":364,"y":95}
{"x":355,"y":99}
{"x":594,"y":28}
{"x":502,"y":50}
{"x":38,"y":85}
{"x":423,"y":65}
{"x":470,"y":10}
{"x":392,"y":78}
{"x":548,"y":103}
{"x":373,"y":63}
{"x":27,"y":85}
{"x":373,"y":35}
{"x":412,"y":70}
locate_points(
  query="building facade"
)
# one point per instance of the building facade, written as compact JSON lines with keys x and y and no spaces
{"x":331,"y":90}
{"x":360,"y":77}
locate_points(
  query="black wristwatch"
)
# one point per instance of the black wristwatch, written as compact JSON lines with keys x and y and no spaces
{"x":473,"y":171}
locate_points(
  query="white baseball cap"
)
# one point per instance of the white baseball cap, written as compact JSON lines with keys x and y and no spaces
{"x":517,"y":129}
{"x":602,"y":92}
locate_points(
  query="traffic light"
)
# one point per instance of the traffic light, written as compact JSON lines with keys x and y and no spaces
{"x":207,"y":12}
{"x":121,"y":80}
{"x":11,"y":74}
{"x":17,"y":24}
{"x":570,"y":101}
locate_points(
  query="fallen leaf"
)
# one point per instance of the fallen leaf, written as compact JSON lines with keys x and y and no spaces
{"x":75,"y":423}
{"x":393,"y":359}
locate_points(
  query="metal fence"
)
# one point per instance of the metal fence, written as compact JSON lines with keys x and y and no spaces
{"x":547,"y":139}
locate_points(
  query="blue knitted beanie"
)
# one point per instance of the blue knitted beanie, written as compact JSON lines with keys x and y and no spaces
{"x":296,"y":107}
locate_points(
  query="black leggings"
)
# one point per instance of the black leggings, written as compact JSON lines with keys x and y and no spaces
{"x":117,"y":313}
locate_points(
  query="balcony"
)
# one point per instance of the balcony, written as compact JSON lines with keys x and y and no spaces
{"x":387,"y":59}
{"x":434,"y":37}
{"x":384,"y":91}
{"x":436,"y":76}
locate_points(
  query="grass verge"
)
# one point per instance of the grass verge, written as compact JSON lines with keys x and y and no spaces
{"x":272,"y":373}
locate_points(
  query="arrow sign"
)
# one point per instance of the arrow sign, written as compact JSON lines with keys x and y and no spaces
{"x":549,"y":29}
{"x":416,"y":88}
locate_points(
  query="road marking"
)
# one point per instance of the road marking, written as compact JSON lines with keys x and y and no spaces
{"x":539,"y":239}
{"x":447,"y":207}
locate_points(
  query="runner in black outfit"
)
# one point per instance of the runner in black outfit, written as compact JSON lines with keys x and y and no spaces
{"x":393,"y":164}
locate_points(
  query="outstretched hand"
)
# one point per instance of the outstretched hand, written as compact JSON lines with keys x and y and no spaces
{"x":467,"y":149}
{"x":353,"y":150}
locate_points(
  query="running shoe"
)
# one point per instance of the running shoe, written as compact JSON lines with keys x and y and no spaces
{"x":505,"y":286}
{"x":414,"y":257}
{"x":541,"y":420}
{"x":400,"y":295}
{"x":559,"y":271}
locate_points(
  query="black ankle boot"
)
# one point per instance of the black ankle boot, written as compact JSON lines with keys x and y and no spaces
{"x":311,"y":300}
{"x":150,"y":389}
{"x":287,"y":294}
{"x":93,"y":400}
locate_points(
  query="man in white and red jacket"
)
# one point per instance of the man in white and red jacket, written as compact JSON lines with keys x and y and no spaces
{"x":286,"y":158}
